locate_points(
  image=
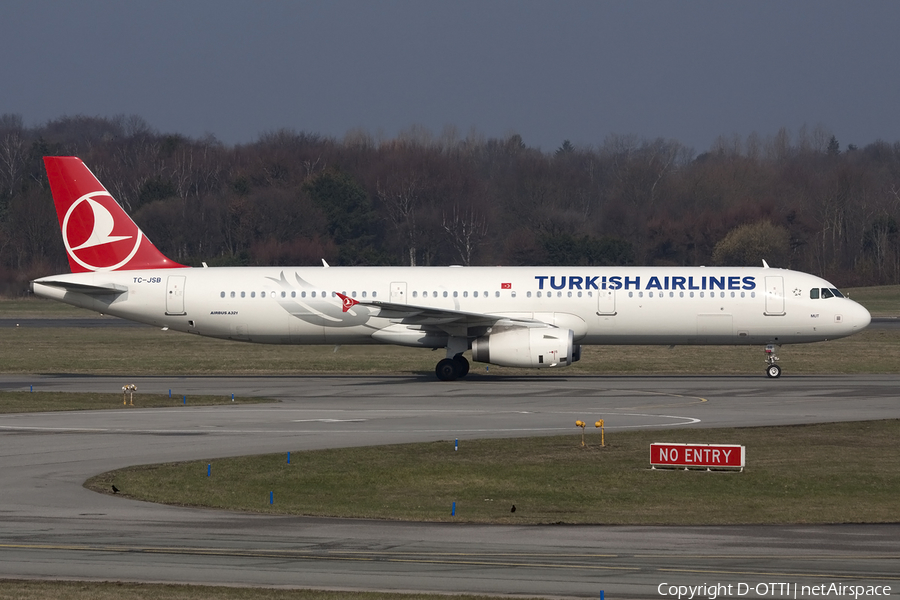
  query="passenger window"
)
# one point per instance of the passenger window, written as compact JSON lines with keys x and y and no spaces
{"x":474,"y":294}
{"x":243,"y":294}
{"x":528,"y":294}
{"x":445,"y":294}
{"x":513,"y":294}
{"x":456,"y":294}
{"x":222,"y":295}
{"x":374,"y":294}
{"x":363,"y":294}
{"x":293,"y":294}
{"x":631,"y":294}
{"x":465,"y":294}
{"x":232,"y":294}
{"x":303,"y":294}
{"x":826,"y":293}
{"x":497,"y":294}
{"x":538,"y":294}
{"x":415,"y":294}
{"x":262,"y":295}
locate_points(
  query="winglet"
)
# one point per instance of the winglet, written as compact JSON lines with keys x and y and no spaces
{"x":347,"y":301}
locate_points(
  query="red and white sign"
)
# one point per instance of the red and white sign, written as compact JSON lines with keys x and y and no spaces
{"x":709,"y":456}
{"x":505,"y":286}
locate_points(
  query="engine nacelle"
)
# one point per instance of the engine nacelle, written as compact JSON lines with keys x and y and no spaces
{"x":535,"y":347}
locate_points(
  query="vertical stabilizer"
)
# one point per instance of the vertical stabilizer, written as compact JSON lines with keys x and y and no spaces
{"x":97,"y":233}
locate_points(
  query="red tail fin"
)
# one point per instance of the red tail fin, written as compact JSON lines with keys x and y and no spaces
{"x":97,"y":233}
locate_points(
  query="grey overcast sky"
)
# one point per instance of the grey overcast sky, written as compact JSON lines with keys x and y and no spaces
{"x":549,"y":71}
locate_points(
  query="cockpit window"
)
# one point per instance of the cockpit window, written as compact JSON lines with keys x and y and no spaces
{"x":826,"y":293}
{"x":837,"y":293}
{"x":814,"y":294}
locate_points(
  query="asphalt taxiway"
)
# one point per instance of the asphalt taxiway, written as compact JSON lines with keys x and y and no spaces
{"x":50,"y":526}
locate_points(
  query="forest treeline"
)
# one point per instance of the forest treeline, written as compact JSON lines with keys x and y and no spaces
{"x":291,"y":198}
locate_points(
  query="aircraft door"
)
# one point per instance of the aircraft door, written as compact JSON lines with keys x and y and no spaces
{"x":606,"y":302}
{"x":175,"y":295}
{"x":774,"y":295}
{"x":398,"y":292}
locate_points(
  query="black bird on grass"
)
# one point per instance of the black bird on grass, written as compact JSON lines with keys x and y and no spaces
{"x":116,"y":491}
{"x":513,"y":509}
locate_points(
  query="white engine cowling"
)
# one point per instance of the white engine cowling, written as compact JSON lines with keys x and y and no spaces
{"x":535,"y":347}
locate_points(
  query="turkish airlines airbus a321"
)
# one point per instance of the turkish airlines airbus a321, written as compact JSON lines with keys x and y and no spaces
{"x":512,"y":316}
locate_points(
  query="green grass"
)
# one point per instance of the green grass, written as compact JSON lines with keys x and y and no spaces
{"x":831,"y":473}
{"x":22,"y":402}
{"x":40,"y":308}
{"x":88,"y":590}
{"x":147,"y":351}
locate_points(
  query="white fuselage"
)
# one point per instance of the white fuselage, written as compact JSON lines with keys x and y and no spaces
{"x":601,"y":305}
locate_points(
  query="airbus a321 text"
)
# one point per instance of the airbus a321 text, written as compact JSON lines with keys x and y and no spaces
{"x":536,"y":317}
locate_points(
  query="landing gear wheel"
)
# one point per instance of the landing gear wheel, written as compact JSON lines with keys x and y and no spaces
{"x":773,"y":371}
{"x":447,"y":370}
{"x":462,"y":365}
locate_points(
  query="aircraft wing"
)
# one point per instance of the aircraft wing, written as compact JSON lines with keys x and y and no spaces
{"x":409,"y":314}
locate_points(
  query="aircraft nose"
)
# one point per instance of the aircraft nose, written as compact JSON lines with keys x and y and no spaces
{"x":857,"y":317}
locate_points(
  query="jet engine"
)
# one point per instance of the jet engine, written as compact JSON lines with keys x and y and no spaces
{"x":535,"y":347}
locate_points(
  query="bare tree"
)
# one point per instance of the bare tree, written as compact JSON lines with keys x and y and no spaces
{"x":467,"y":228}
{"x":402,"y":198}
{"x":12,"y":160}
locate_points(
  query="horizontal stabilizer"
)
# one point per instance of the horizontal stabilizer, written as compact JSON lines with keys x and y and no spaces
{"x":84,"y":288}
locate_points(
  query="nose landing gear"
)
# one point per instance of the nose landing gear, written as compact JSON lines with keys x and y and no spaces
{"x":772,"y":370}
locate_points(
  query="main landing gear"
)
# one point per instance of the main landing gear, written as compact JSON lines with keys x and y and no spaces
{"x":451,"y":369}
{"x":772,"y":370}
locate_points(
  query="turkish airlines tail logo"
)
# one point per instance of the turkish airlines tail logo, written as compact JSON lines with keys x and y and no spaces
{"x":97,"y":233}
{"x":103,"y":227}
{"x":347,"y":301}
